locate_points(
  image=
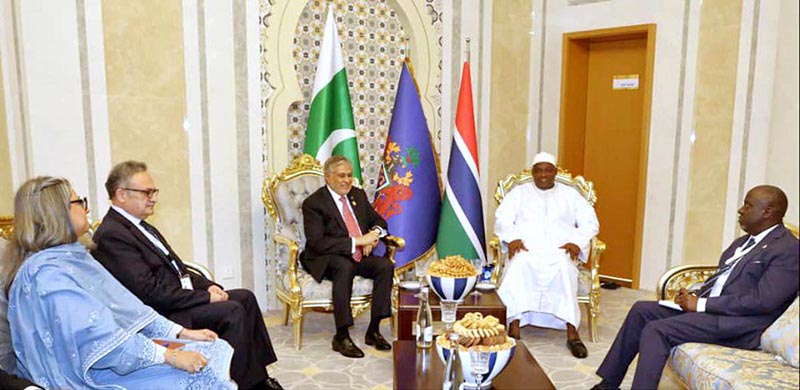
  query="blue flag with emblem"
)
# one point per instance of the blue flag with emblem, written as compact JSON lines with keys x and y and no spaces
{"x":408,"y":195}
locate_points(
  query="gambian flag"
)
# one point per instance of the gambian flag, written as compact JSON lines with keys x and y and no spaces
{"x":331,"y":129}
{"x":461,"y":223}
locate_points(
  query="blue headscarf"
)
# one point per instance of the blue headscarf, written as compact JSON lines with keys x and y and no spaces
{"x":67,"y":312}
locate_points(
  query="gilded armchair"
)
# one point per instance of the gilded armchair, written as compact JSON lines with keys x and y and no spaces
{"x":589,"y":278}
{"x":283,"y":196}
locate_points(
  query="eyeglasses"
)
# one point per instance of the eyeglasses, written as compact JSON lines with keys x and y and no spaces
{"x":83,"y":202}
{"x":150,"y":192}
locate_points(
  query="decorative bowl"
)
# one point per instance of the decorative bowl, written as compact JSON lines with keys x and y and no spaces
{"x":451,"y":289}
{"x":498,"y":361}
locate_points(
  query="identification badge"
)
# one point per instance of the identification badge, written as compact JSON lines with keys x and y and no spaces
{"x":186,"y":282}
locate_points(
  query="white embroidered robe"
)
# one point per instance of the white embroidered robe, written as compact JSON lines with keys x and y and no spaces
{"x":539,"y":286}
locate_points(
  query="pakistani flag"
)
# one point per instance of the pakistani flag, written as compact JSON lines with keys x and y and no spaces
{"x":331,"y":129}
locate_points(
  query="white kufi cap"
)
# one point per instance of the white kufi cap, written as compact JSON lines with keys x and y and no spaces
{"x":544,"y":157}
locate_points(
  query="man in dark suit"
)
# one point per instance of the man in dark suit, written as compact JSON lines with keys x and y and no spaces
{"x":138,"y":255}
{"x":756,"y":281}
{"x":13,"y":382}
{"x":341,"y":230}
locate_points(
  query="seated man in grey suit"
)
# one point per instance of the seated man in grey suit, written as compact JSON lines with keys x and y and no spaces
{"x":756,"y":281}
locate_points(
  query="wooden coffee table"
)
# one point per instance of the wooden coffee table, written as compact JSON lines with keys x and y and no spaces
{"x":488,"y":304}
{"x":416,"y":368}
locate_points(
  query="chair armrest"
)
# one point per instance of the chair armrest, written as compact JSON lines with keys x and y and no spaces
{"x":199,"y":269}
{"x":682,"y":277}
{"x":597,"y":249}
{"x":294,"y":249}
{"x":498,"y":257}
{"x":393,"y":244}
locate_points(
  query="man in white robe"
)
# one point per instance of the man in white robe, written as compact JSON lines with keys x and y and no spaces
{"x":547,"y":228}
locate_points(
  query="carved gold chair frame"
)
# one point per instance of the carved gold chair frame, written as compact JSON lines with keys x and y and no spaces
{"x":686,"y":276}
{"x":6,"y":227}
{"x":294,"y":305}
{"x":586,"y":189}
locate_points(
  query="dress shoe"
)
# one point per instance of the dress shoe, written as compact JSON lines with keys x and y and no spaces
{"x":604,"y":386}
{"x":380,"y":343}
{"x":347,"y":348}
{"x":577,"y":348}
{"x":272,"y":384}
{"x":513,"y":329}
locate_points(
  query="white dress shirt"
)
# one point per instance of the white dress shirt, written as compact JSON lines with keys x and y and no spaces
{"x":719,"y":284}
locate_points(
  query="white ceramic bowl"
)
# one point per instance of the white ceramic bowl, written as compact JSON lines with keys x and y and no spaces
{"x":451,"y":289}
{"x":497,"y":363}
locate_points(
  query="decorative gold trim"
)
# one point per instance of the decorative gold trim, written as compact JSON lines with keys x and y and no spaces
{"x":792,"y":229}
{"x":586,"y":189}
{"x":6,"y":227}
{"x":302,"y":165}
{"x":682,"y":277}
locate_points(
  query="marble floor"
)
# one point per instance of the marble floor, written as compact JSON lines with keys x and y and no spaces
{"x":316,"y":366}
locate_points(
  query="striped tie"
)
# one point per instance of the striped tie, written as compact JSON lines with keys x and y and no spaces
{"x":709,"y":283}
{"x":352,"y":226}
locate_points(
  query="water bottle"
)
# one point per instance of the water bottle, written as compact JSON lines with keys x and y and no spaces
{"x":453,"y":375}
{"x":424,"y":326}
{"x":486,"y":275}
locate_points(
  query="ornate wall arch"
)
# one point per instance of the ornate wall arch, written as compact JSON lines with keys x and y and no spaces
{"x":421,"y":22}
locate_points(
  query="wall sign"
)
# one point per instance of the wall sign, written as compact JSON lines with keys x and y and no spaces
{"x":625,"y":81}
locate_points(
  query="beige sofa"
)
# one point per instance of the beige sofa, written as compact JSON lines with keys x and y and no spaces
{"x":705,"y":366}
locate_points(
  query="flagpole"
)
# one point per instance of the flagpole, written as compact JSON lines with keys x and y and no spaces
{"x":468,"y":40}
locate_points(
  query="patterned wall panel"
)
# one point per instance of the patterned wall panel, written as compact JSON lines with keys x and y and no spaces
{"x":373,"y":48}
{"x":435,"y":12}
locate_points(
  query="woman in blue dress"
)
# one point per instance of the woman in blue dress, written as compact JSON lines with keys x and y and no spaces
{"x":73,"y":326}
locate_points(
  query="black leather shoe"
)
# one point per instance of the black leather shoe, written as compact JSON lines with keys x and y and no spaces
{"x":577,"y":348}
{"x":604,"y":386}
{"x":347,"y":348}
{"x":378,"y":341}
{"x":272,"y":384}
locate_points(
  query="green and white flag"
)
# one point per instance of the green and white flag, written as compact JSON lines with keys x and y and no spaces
{"x":331,"y":129}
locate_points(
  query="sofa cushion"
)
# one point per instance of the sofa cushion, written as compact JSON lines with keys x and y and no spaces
{"x":706,"y":366}
{"x":584,"y":281}
{"x":782,"y":338}
{"x":314,"y":291}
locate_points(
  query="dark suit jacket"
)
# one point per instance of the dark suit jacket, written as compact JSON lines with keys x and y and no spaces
{"x":13,"y":382}
{"x":145,"y":270}
{"x":326,"y":232}
{"x":760,"y":287}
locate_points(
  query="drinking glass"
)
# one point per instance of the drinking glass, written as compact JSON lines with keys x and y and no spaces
{"x":479,"y":364}
{"x":478,"y":265}
{"x":420,"y":268}
{"x":449,"y":309}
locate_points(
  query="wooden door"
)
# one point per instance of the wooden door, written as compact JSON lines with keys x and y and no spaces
{"x":605,"y":121}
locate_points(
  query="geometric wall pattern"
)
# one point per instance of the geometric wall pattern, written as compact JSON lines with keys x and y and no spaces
{"x":373,"y":48}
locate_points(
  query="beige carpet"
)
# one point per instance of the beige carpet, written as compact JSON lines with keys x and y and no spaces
{"x":316,"y":366}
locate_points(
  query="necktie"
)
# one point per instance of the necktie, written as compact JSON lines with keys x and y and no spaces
{"x":352,"y":226}
{"x":709,"y":283}
{"x":152,"y":230}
